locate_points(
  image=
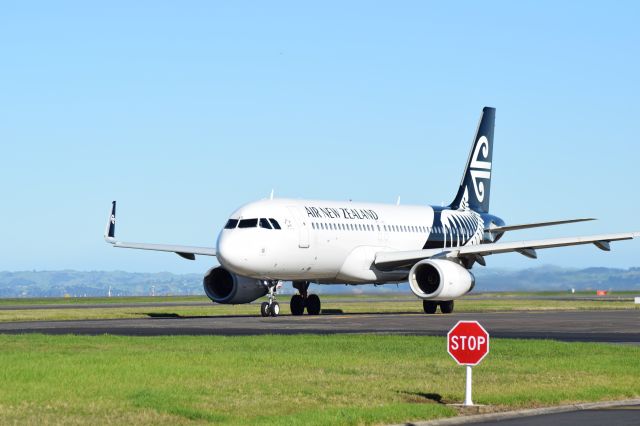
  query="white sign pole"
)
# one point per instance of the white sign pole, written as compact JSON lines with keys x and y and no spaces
{"x":467,"y":394}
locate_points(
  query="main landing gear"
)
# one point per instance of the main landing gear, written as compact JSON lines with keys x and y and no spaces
{"x":272,"y":307}
{"x":430,"y":306}
{"x":304,"y":300}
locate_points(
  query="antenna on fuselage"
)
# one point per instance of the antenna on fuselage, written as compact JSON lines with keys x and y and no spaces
{"x":398,"y":201}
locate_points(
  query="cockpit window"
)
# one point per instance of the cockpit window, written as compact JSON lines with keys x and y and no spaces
{"x":231,"y":224}
{"x":264,"y":223}
{"x":275,"y":223}
{"x":248,"y":223}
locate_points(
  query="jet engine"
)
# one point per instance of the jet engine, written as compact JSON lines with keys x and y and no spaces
{"x":225,"y":287}
{"x":440,"y":280}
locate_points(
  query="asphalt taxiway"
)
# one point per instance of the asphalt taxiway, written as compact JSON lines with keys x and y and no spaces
{"x":618,"y":415}
{"x":611,"y":326}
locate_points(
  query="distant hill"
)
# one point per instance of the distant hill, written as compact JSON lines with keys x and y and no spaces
{"x":549,"y":277}
{"x":98,"y":283}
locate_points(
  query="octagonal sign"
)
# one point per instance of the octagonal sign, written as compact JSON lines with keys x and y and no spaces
{"x":468,"y":342}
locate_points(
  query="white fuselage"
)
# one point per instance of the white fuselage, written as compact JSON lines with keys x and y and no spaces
{"x":335,"y":242}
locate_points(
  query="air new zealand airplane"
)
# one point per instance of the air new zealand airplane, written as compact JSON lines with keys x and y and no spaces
{"x":339,"y":242}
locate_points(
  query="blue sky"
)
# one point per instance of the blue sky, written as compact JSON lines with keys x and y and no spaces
{"x":183,"y":111}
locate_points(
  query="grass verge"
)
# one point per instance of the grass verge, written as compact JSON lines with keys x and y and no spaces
{"x":374,"y":304}
{"x":302,"y":379}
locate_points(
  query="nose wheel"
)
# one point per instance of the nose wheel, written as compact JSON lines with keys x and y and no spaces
{"x":272,"y":307}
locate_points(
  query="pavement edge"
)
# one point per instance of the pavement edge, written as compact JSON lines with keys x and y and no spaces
{"x":522,"y":413}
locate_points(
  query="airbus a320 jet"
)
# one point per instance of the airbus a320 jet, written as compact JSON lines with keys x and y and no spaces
{"x":338,"y":242}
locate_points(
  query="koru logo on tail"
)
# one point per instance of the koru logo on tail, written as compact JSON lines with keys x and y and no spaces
{"x":480,"y":169}
{"x":113,"y":219}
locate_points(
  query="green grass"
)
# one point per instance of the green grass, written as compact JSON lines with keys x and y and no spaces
{"x":302,"y":379}
{"x":99,"y":300}
{"x":351,"y":304}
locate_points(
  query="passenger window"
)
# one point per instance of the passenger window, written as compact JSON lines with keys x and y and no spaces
{"x":248,"y":223}
{"x":231,"y":224}
{"x":275,"y":223}
{"x":264,"y":223}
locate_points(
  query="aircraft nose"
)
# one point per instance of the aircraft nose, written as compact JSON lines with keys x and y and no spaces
{"x":230,"y":252}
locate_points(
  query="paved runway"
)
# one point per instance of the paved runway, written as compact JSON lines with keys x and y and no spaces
{"x":587,"y":326}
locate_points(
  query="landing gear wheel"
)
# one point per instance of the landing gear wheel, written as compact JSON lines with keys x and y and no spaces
{"x":446,"y":307}
{"x":297,"y":305}
{"x":274,"y":309}
{"x":264,"y":309}
{"x":313,"y":304}
{"x":429,"y":306}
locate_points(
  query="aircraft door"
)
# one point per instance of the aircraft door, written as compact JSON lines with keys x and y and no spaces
{"x":302,"y":223}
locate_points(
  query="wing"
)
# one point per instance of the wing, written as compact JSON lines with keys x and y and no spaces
{"x":401,"y":259}
{"x":505,"y":228}
{"x":188,"y":252}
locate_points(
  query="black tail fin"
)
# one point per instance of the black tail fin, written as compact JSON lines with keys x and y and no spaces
{"x":475,"y":187}
{"x":110,"y":232}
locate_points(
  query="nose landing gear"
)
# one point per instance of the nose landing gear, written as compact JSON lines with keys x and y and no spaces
{"x":304,"y":300}
{"x":272,"y":307}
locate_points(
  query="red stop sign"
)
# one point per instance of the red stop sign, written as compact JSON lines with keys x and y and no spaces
{"x":468,"y":342}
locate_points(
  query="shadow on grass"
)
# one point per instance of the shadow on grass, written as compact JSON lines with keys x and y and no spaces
{"x":162,"y":315}
{"x":423,"y":397}
{"x":332,"y":312}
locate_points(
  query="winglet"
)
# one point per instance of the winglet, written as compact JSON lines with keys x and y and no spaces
{"x":110,"y":230}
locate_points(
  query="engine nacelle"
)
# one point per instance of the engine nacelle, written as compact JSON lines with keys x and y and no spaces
{"x":225,"y":287}
{"x":440,"y":280}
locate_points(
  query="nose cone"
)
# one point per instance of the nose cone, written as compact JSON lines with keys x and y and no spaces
{"x":230,"y":252}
